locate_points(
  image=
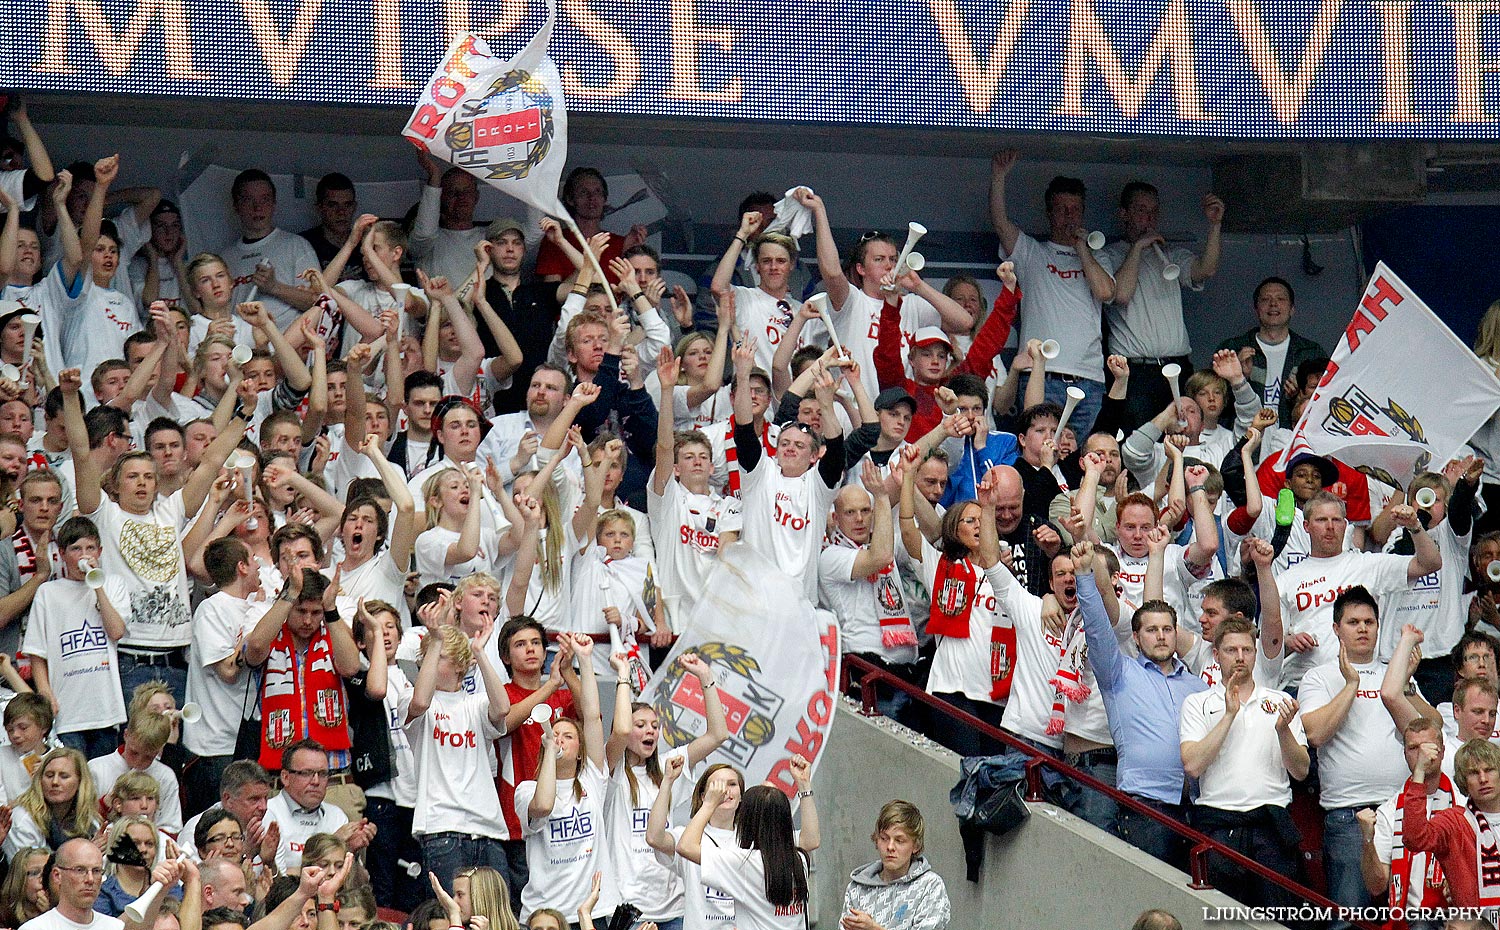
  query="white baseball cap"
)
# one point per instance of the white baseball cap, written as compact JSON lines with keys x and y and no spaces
{"x":930,"y":334}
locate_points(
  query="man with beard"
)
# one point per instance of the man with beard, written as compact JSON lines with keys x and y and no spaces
{"x":528,"y":308}
{"x":1143,"y":695}
{"x":513,"y":438}
{"x":1102,"y":449}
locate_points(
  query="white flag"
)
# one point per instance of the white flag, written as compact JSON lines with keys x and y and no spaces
{"x":1401,"y":395}
{"x":776,"y":659}
{"x":503,"y":121}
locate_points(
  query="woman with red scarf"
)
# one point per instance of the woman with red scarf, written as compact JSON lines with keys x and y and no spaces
{"x":976,"y":642}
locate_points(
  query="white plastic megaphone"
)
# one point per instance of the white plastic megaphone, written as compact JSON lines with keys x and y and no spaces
{"x":93,"y":575}
{"x":542,"y":713}
{"x":914,"y":231}
{"x":10,"y":372}
{"x":819,"y":302}
{"x":190,"y":713}
{"x":244,"y":462}
{"x":1075,"y":395}
{"x":30,"y":321}
{"x":412,"y":869}
{"x":1171,"y":372}
{"x":241,"y":355}
{"x":915,"y":262}
{"x":1425,"y":498}
{"x":400,"y":292}
{"x":1169,"y":270}
{"x":1051,"y":348}
{"x":1492,"y":570}
{"x":1096,"y":240}
{"x":136,"y":910}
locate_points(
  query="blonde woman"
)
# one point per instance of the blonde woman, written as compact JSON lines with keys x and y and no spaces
{"x":24,"y":895}
{"x":481,"y":892}
{"x":457,"y":541}
{"x":61,"y":804}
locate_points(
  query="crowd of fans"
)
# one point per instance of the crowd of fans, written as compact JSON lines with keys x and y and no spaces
{"x":321,"y":543}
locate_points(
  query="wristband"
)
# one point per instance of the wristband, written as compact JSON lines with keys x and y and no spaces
{"x":710,"y":684}
{"x":622,"y":681}
{"x":330,"y":906}
{"x":805,"y":794}
{"x":739,"y":238}
{"x":1194,"y":488}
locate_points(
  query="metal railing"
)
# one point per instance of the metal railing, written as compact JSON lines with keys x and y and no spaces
{"x":1199,"y":845}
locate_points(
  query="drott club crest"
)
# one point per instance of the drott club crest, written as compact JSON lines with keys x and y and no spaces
{"x":1358,"y":414}
{"x":750,"y":708}
{"x":507,"y":132}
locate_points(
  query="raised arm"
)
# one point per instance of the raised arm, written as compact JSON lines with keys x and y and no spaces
{"x":67,"y":234}
{"x":36,"y":150}
{"x":510,"y":357}
{"x":404,"y":524}
{"x":716,"y":729}
{"x":263,"y":634}
{"x":1206,"y":265}
{"x":195,"y":489}
{"x":86,"y":471}
{"x":494,"y":687}
{"x":1397,"y":692}
{"x":292,"y":367}
{"x":1205,"y":542}
{"x":657,"y":836}
{"x":586,"y":700}
{"x":829,"y":266}
{"x":1000,"y":165}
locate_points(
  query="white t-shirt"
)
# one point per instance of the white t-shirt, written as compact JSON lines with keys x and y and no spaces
{"x":1178,"y":576}
{"x":287,"y":253}
{"x":705,"y":906}
{"x":1058,"y":304}
{"x":244,"y":333}
{"x":685,"y":528}
{"x":378,"y":578}
{"x":853,"y":601}
{"x":1249,"y":771}
{"x":767,"y":318}
{"x":144,"y":553}
{"x":98,"y":321}
{"x":1039,"y":652}
{"x":107,"y":768}
{"x":741,"y":873}
{"x":565,"y":849}
{"x":711,"y":410}
{"x":403,"y":788}
{"x":297,"y":824}
{"x":455,"y":788}
{"x":1308,"y":590}
{"x":1432,"y":603}
{"x":432,"y":553}
{"x":66,"y":630}
{"x":785,"y":518}
{"x":1363,"y":761}
{"x":1266,"y":672}
{"x":640,"y":878}
{"x":52,"y":920}
{"x":1275,"y":368}
{"x":1388,"y":823}
{"x":962,"y":666}
{"x":218,"y":625}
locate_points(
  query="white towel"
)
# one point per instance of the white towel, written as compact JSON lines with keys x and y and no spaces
{"x":791,"y":217}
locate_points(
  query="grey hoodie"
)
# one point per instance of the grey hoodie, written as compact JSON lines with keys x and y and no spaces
{"x":916,"y":901}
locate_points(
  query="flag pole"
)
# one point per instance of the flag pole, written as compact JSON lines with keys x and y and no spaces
{"x":591,"y":258}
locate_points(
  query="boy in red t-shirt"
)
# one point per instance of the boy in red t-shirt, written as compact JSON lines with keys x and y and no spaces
{"x":523,"y":651}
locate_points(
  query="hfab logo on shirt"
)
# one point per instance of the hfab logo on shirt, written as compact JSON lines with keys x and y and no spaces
{"x":569,"y":829}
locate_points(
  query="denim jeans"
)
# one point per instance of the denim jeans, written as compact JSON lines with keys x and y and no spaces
{"x":961,"y":737}
{"x":1342,"y":845}
{"x":92,"y":743}
{"x":134,"y":674}
{"x":393,"y":845}
{"x":1096,"y":807}
{"x":1087,"y":410}
{"x":446,"y":854}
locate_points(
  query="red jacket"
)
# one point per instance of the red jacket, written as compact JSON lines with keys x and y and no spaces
{"x":890,"y":370}
{"x":1448,"y":835}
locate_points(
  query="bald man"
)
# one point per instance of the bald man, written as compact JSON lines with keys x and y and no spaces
{"x":1033,"y":543}
{"x":224,"y":885}
{"x":77,"y":871}
{"x":857,"y":580}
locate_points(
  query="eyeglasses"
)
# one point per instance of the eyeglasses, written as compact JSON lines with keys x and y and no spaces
{"x":872,"y":234}
{"x":308,"y":773}
{"x":231,"y":837}
{"x":83,"y":871}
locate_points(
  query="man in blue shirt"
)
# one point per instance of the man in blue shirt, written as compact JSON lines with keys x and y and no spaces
{"x":1143,"y":696}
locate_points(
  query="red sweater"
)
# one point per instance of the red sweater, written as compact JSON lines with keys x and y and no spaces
{"x":1449,"y":836}
{"x":890,"y":370}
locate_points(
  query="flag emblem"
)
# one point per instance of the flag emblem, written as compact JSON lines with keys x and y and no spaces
{"x":505,"y":133}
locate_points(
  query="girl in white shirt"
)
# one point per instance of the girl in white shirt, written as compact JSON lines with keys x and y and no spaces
{"x":456,"y":542}
{"x":700,"y":398}
{"x":635,"y":780}
{"x":765,"y":871}
{"x":563,"y":809}
{"x":705,"y":907}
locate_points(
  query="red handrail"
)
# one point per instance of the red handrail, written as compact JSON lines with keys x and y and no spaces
{"x":1199,"y":844}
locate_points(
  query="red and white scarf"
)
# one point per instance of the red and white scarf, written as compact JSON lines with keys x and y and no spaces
{"x":732,"y":455}
{"x":1403,"y":860}
{"x":25,"y":553}
{"x":896,"y":630}
{"x":1069,"y":683}
{"x":953,"y":591}
{"x":1487,"y":849}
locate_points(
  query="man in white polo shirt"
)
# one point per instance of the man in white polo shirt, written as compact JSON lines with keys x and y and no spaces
{"x":1360,"y":764}
{"x":300,"y":811}
{"x":1309,"y":588}
{"x":1244,"y":743}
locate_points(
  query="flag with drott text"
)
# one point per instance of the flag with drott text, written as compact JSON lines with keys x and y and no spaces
{"x":776,"y":659}
{"x":1401,"y":394}
{"x":502,"y":120}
